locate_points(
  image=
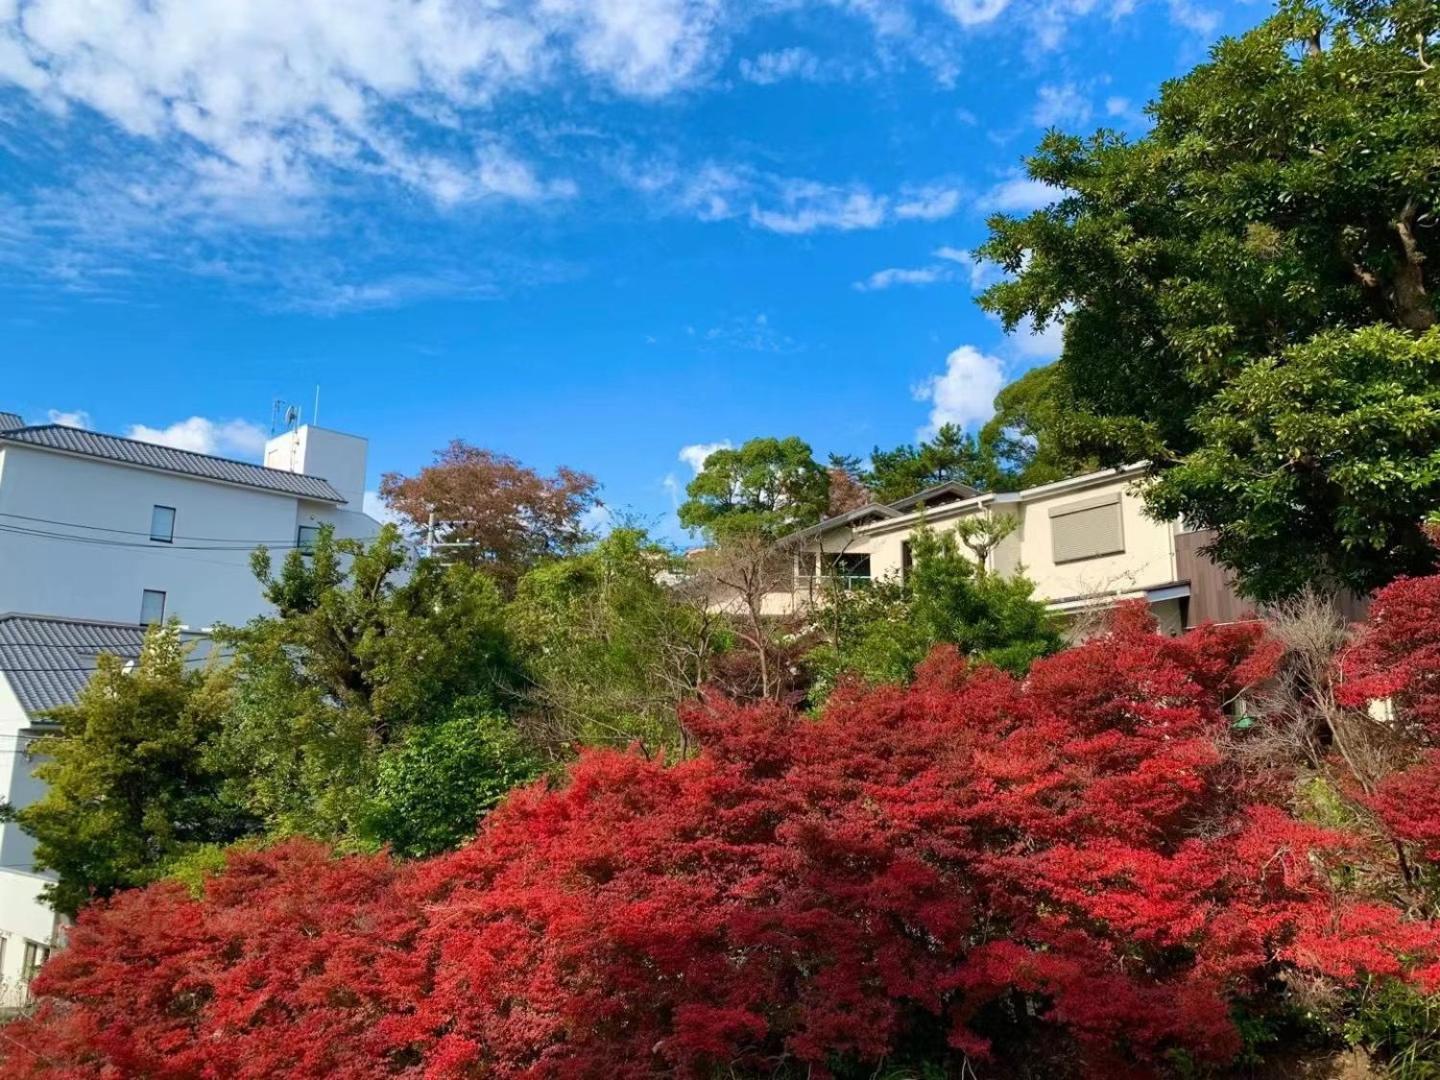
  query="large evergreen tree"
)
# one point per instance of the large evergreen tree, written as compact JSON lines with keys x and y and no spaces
{"x":1288,"y":190}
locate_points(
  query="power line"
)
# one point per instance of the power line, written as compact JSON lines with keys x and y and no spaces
{"x":140,"y":532}
{"x":100,"y":541}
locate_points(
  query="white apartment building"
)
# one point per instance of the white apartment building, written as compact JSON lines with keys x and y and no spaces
{"x":1085,"y":542}
{"x":100,"y":536}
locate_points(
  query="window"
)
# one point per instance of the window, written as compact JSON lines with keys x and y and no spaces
{"x":849,"y":569}
{"x":1086,"y":529}
{"x":306,"y":536}
{"x":152,"y":607}
{"x":35,"y":957}
{"x":162,"y":524}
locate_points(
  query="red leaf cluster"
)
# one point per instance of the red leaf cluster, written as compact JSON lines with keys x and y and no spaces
{"x":972,"y":864}
{"x":1397,"y":655}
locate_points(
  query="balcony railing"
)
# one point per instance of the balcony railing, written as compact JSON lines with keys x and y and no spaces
{"x":820,"y":582}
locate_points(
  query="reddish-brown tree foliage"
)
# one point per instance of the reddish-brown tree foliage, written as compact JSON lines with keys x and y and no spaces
{"x":500,"y":514}
{"x":972,"y":865}
{"x":1397,"y":655}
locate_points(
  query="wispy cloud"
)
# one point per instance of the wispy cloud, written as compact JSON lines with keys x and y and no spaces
{"x":1018,"y":194}
{"x":1061,"y":105}
{"x":76,"y":418}
{"x":954,"y":263}
{"x":896,"y":275}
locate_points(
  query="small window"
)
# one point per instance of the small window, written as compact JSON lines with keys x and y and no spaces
{"x":152,"y":607}
{"x":305,"y":538}
{"x":162,"y":524}
{"x":1086,"y":529}
{"x":35,"y":957}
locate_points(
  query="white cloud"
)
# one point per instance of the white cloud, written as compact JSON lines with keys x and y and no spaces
{"x":806,"y":206}
{"x":927,"y":203}
{"x":964,"y":393}
{"x":1117,"y":106}
{"x":695,"y":454}
{"x":975,"y":12}
{"x":599,"y":519}
{"x":1044,"y":345}
{"x":78,"y":418}
{"x":1061,"y":106}
{"x":892,"y":276}
{"x":778,"y":65}
{"x":205,"y":436}
{"x":1200,"y":20}
{"x":269,"y":98}
{"x":982,"y":274}
{"x":1019,"y":194}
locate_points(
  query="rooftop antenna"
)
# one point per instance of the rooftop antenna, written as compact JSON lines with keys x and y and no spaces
{"x":315,"y":412}
{"x":283,"y":416}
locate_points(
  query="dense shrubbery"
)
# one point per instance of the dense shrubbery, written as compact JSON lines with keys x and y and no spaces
{"x":1075,"y":873}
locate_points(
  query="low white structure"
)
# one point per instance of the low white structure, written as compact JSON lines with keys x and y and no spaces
{"x":1085,"y":542}
{"x":94,"y":526}
{"x":100,"y":536}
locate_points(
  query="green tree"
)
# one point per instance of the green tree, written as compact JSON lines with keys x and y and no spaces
{"x":432,"y":787}
{"x":366,"y":643}
{"x":879,"y":634}
{"x":613,"y":642}
{"x":1320,"y":463}
{"x":950,"y":455}
{"x":768,"y":486}
{"x":1023,"y":438}
{"x":130,"y":786}
{"x":1287,"y":189}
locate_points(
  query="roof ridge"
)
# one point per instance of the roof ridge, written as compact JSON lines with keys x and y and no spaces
{"x":165,"y":446}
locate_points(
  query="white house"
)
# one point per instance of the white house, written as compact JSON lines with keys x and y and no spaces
{"x":100,"y":536}
{"x":95,"y":526}
{"x":1085,"y":543}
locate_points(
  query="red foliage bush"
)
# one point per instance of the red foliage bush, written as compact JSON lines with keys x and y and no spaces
{"x":1397,"y":654}
{"x":975,"y":862}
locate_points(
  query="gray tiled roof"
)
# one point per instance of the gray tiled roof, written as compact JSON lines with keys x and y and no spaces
{"x":48,"y":660}
{"x":185,"y":462}
{"x":10,"y":420}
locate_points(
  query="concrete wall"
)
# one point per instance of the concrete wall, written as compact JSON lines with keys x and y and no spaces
{"x":23,"y":917}
{"x":100,"y":571}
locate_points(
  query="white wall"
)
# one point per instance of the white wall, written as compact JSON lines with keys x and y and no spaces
{"x":23,"y":916}
{"x":104,"y":580}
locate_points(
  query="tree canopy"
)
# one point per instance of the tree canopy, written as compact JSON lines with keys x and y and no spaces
{"x":768,"y":487}
{"x":1287,"y":189}
{"x":493,"y":512}
{"x":131,"y":785}
{"x":366,"y":643}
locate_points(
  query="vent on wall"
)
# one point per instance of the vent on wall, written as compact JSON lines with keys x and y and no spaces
{"x":1087,"y":529}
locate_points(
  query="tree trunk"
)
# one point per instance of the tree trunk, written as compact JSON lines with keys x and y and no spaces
{"x":1413,"y":308}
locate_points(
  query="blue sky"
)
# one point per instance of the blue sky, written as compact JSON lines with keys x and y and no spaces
{"x":599,"y":233}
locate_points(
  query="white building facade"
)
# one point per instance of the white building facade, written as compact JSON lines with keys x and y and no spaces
{"x":1084,"y":542}
{"x":100,"y":536}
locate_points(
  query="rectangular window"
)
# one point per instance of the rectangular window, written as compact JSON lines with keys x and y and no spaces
{"x":162,"y":524}
{"x":34,"y":959}
{"x":152,"y":607}
{"x":306,"y":536}
{"x":1086,"y":529}
{"x":849,"y":569}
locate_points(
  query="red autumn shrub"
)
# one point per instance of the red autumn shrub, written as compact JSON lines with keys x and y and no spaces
{"x":974,"y":862}
{"x":1397,"y":654}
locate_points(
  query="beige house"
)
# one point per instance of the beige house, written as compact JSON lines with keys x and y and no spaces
{"x":1085,"y":542}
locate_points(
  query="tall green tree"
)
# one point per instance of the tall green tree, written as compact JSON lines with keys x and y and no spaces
{"x":880,"y":633}
{"x":1023,"y":439}
{"x":366,"y":643}
{"x":613,"y":642}
{"x":950,"y":455}
{"x":130,"y":785}
{"x":768,"y":487}
{"x":1288,"y":189}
